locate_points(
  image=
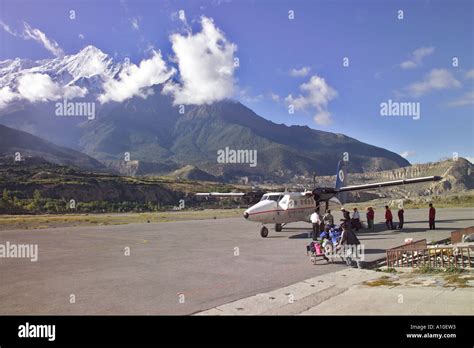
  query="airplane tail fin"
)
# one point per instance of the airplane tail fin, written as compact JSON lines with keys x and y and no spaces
{"x":341,"y":174}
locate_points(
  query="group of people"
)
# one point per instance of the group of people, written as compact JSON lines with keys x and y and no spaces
{"x":354,"y":221}
{"x":401,"y":217}
{"x":341,"y":236}
{"x":322,"y":226}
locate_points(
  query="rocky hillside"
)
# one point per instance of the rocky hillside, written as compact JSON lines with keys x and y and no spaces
{"x":458,"y":177}
{"x":14,"y":142}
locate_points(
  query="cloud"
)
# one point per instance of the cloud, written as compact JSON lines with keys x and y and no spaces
{"x":41,"y":88}
{"x":466,"y":99}
{"x":323,"y":118}
{"x":470,"y":74}
{"x":436,"y":79}
{"x":6,"y":96}
{"x":37,"y":87}
{"x":135,"y":23}
{"x":406,"y":154}
{"x":417,"y":57}
{"x":247,"y":97}
{"x":275,"y":97}
{"x":37,"y":35}
{"x":206,"y":66}
{"x":8,"y":29}
{"x":40,"y":37}
{"x":316,"y":95}
{"x":300,"y":72}
{"x":136,"y":80}
{"x":81,"y":36}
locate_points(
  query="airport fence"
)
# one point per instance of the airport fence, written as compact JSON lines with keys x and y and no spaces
{"x":418,"y":254}
{"x":457,"y":236}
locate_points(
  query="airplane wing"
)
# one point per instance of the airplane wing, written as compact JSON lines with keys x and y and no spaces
{"x":220,"y":194}
{"x":388,"y":183}
{"x":248,"y":197}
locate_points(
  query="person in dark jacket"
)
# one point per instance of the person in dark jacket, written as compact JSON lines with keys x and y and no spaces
{"x":432,"y":216}
{"x":346,"y":216}
{"x":348,"y":243}
{"x":388,"y":218}
{"x":400,"y":218}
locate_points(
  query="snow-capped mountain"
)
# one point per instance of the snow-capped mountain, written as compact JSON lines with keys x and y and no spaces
{"x":70,"y":70}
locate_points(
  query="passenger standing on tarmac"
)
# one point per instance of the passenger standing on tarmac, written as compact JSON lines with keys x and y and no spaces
{"x":388,"y":218}
{"x":316,"y":221}
{"x":328,"y":219}
{"x":400,"y":218}
{"x":348,"y":244}
{"x":370,"y":218}
{"x":346,"y":217}
{"x":356,"y":219}
{"x":432,"y":216}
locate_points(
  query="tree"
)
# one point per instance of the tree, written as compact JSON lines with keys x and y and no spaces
{"x":36,"y":200}
{"x":5,"y":195}
{"x":36,"y":196}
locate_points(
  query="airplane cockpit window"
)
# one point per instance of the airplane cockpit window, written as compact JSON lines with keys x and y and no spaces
{"x":275,"y":198}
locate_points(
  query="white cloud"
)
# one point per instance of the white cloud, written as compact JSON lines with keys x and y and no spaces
{"x":8,"y":29}
{"x":6,"y":96}
{"x":417,"y":57}
{"x":136,"y":80}
{"x":436,"y":79}
{"x":275,"y":97}
{"x":40,"y":37}
{"x":206,"y":66}
{"x":323,"y":118}
{"x":135,"y":23}
{"x":81,"y":36}
{"x":316,"y":95}
{"x":37,"y":35}
{"x":41,"y":88}
{"x":300,"y":72}
{"x":406,"y":154}
{"x":36,"y":87}
{"x":466,"y":99}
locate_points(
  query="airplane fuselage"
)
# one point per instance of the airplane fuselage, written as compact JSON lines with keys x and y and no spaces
{"x":284,"y":207}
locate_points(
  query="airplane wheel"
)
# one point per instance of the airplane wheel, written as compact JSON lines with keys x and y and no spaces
{"x":278,"y":227}
{"x":264,"y":232}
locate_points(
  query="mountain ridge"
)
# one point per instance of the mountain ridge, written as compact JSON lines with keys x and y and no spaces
{"x":154,"y":130}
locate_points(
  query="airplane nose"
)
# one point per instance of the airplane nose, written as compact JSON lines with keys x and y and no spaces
{"x":246,"y":215}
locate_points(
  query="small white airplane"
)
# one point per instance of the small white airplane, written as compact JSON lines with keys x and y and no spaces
{"x":281,"y":208}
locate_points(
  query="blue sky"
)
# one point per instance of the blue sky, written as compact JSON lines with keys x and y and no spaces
{"x":405,"y":60}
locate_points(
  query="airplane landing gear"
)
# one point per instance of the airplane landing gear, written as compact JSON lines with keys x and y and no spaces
{"x":264,"y":232}
{"x":278,"y":227}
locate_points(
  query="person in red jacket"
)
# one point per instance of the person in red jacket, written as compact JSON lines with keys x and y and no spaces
{"x":388,"y":218}
{"x":432,"y":215}
{"x":370,"y":218}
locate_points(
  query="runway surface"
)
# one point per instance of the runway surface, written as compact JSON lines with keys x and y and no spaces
{"x":176,"y":267}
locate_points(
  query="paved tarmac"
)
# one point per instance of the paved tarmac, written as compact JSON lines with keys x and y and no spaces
{"x":175,"y":267}
{"x":346,"y":292}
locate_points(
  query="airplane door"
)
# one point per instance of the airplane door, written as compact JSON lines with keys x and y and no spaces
{"x":283,"y":208}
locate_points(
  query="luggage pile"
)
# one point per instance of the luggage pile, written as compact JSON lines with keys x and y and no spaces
{"x":323,"y":247}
